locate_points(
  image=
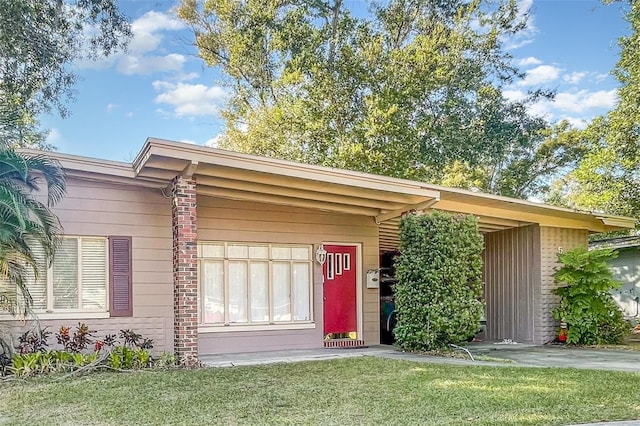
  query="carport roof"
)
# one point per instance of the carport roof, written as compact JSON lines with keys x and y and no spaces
{"x":240,"y":176}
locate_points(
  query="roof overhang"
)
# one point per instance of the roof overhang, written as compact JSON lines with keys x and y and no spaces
{"x":251,"y":178}
{"x":238,"y":176}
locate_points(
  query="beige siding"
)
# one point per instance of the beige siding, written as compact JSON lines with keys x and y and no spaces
{"x":228,"y":220}
{"x":102,"y":209}
{"x":511,"y":275}
{"x":552,"y":239}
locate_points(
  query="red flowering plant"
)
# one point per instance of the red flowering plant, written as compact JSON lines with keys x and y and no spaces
{"x":82,"y":337}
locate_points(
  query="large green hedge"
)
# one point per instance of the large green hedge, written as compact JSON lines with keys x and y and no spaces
{"x":439,"y":271}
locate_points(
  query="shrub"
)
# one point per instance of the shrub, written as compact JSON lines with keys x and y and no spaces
{"x":33,"y":340}
{"x":439,"y":289}
{"x":81,"y":339}
{"x":586,"y":304}
{"x":127,"y":350}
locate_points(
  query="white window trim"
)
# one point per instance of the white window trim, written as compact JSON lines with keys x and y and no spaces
{"x":210,"y":328}
{"x":257,"y":326}
{"x":74,"y":315}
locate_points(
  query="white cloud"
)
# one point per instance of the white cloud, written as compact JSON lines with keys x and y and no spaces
{"x":150,"y":64}
{"x":514,"y":95}
{"x":566,"y":105}
{"x":110,"y":107}
{"x":574,"y":77}
{"x":187,"y":76}
{"x":53,"y":136}
{"x":541,"y":109}
{"x":146,"y":28}
{"x":525,"y":36}
{"x":145,"y":54}
{"x":583,"y":100}
{"x":190,"y":100}
{"x":517,"y":44}
{"x":578,"y":123}
{"x":189,"y":141}
{"x":214,"y":141}
{"x":524,"y":6}
{"x":525,"y":62}
{"x":540,"y":75}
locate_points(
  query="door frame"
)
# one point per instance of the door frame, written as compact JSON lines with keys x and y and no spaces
{"x":359,"y":272}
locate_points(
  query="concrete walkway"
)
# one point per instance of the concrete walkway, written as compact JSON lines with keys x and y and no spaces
{"x":276,"y":357}
{"x":519,"y":355}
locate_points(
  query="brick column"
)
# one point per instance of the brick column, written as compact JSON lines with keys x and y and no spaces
{"x":185,"y":271}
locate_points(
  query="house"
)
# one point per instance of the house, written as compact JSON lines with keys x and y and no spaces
{"x":626,"y":269}
{"x":208,"y":251}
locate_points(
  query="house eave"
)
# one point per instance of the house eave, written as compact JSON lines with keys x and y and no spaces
{"x":234,"y":175}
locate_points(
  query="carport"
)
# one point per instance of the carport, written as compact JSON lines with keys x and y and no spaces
{"x":522,"y":239}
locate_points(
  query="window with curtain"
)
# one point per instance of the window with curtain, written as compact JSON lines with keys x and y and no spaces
{"x":254,"y":284}
{"x":77,"y":280}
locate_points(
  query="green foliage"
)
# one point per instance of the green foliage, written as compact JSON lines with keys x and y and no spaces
{"x":39,"y":40}
{"x":52,"y":361}
{"x":34,"y":340}
{"x":591,"y":314}
{"x":77,"y":342}
{"x":165,"y":360}
{"x":129,"y":350}
{"x":406,"y":90}
{"x":26,"y":221}
{"x":607,"y":178}
{"x":439,"y":290}
{"x":125,"y":358}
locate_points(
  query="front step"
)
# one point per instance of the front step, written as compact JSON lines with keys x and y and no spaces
{"x":344,"y":344}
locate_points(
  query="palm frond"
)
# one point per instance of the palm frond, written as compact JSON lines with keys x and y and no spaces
{"x":26,"y":222}
{"x":49,"y":169}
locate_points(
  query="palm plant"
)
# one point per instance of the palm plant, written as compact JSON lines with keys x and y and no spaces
{"x":26,"y":219}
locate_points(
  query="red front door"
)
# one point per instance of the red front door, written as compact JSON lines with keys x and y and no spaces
{"x":340,"y":314}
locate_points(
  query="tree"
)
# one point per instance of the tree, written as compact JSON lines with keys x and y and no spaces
{"x":39,"y":39}
{"x":26,"y":221}
{"x":608,"y":177}
{"x":410,"y":90}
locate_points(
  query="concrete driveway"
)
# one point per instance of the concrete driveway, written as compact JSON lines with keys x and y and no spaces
{"x":560,"y":356}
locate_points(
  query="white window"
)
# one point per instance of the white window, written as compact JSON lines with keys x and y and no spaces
{"x":76,"y":282}
{"x":254,"y":284}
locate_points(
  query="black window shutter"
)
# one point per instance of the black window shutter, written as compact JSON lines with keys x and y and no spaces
{"x":120,"y":282}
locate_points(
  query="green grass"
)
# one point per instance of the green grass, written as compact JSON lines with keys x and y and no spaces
{"x":347,"y":391}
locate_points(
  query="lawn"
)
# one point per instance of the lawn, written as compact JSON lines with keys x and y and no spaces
{"x":347,"y":391}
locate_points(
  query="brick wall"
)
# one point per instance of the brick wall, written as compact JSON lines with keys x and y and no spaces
{"x":551,"y":239}
{"x":185,"y":271}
